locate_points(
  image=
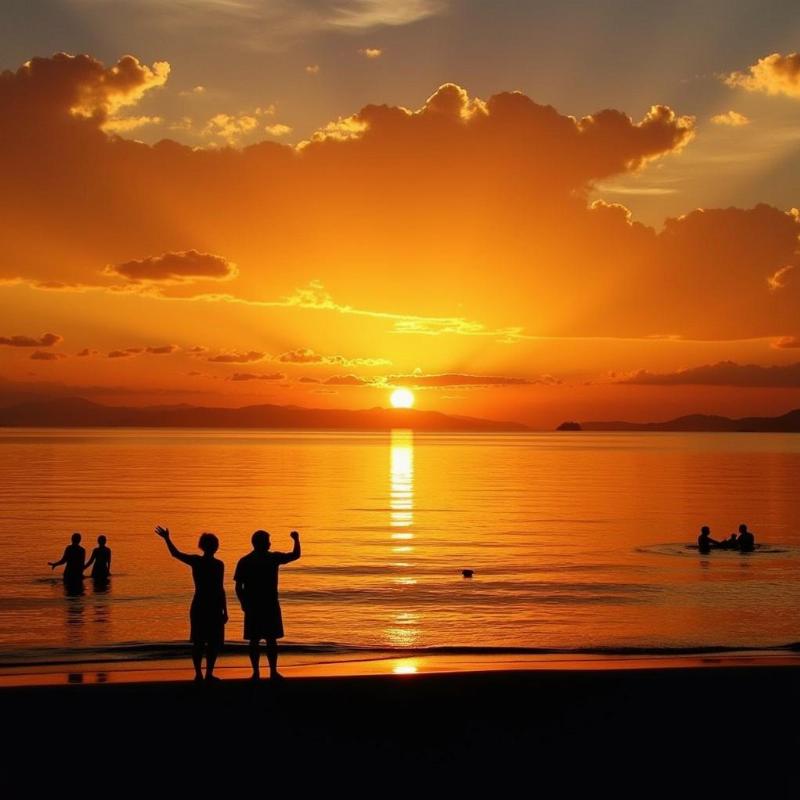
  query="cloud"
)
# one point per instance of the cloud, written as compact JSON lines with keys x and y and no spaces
{"x":46,"y":340}
{"x":128,"y":352}
{"x":197,"y":349}
{"x":786,"y":342}
{"x":44,"y":355}
{"x":238,"y":358}
{"x":306,"y":356}
{"x":252,"y":376}
{"x":370,"y":52}
{"x":724,"y":373}
{"x":307,"y":379}
{"x":773,"y":74}
{"x":193,"y":92}
{"x":278,"y":129}
{"x":731,"y":118}
{"x":419,"y":380}
{"x":161,"y":349}
{"x":312,"y":69}
{"x":180,"y":267}
{"x":86,"y":352}
{"x":780,"y":277}
{"x":125,"y":124}
{"x":347,"y":380}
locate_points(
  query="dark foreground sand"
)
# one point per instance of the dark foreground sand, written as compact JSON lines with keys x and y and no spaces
{"x":390,"y":732}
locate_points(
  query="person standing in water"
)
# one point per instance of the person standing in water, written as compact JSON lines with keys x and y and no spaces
{"x":209,"y":609}
{"x":257,"y":589}
{"x":74,"y":557}
{"x":100,"y":561}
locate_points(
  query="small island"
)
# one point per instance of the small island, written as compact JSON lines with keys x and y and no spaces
{"x":569,"y":426}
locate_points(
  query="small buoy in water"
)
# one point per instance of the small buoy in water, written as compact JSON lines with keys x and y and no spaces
{"x":467,"y":573}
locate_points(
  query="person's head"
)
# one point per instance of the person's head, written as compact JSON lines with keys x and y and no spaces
{"x":260,"y":540}
{"x":208,"y":543}
{"x":743,"y":528}
{"x":76,"y":538}
{"x":705,"y":530}
{"x":101,"y":540}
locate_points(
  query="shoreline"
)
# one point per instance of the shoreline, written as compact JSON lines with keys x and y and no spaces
{"x":234,"y":667}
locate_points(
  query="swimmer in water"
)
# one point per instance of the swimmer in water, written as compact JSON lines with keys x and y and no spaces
{"x":704,"y":540}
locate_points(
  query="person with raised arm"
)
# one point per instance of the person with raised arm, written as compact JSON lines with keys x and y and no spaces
{"x":209,"y":610}
{"x":257,"y":589}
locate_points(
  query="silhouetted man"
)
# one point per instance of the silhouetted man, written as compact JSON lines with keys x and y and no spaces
{"x":704,"y":540}
{"x":74,"y":557}
{"x":746,"y":540}
{"x":256,"y":579}
{"x":100,"y":561}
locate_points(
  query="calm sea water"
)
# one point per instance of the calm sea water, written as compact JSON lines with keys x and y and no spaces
{"x":577,"y":541}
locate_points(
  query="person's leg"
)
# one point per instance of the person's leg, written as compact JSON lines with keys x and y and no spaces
{"x":212,"y":651}
{"x":197,"y":660}
{"x":254,"y":658}
{"x":272,"y":657}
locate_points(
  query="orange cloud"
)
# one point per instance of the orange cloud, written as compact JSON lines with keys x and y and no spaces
{"x":724,"y":373}
{"x":786,"y":342}
{"x":453,"y":379}
{"x":86,"y":352}
{"x":181,"y":267}
{"x":238,"y":358}
{"x":732,"y":119}
{"x":161,"y":349}
{"x":347,"y":380}
{"x":370,"y":52}
{"x":312,"y":69}
{"x":252,"y":376}
{"x":306,"y":356}
{"x":126,"y":353}
{"x":47,"y":340}
{"x":44,"y":355}
{"x":773,"y":74}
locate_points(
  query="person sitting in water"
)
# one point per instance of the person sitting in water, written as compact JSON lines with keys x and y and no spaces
{"x":704,"y":540}
{"x":100,"y":561}
{"x":746,"y":542}
{"x":73,"y":558}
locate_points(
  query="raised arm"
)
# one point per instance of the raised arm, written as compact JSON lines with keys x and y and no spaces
{"x":62,"y":560}
{"x":173,"y":551}
{"x":295,"y":554}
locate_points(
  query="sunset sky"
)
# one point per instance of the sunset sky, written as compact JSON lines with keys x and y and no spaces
{"x":528,"y":211}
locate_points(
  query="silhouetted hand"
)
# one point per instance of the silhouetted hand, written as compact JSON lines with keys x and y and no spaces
{"x":52,"y":564}
{"x":295,"y":535}
{"x":162,"y":532}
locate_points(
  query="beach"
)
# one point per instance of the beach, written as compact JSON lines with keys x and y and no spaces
{"x":459,"y":726}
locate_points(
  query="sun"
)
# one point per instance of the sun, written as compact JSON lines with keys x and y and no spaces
{"x":402,"y":398}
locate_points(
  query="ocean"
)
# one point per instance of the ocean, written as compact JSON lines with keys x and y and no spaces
{"x":578,"y":542}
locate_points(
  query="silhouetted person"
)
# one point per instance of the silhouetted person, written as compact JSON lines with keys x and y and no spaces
{"x":74,"y":557}
{"x":209,"y":610}
{"x":704,"y":540}
{"x":731,"y":543}
{"x":100,"y":561}
{"x":257,"y":589}
{"x":746,"y":541}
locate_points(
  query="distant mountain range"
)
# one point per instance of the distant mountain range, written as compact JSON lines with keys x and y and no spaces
{"x":787,"y":423}
{"x":76,"y":412}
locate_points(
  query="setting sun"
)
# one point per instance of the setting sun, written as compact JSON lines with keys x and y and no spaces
{"x":402,"y":398}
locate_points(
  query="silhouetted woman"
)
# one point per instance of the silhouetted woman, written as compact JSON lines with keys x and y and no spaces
{"x":73,"y":558}
{"x":705,"y":542}
{"x":100,"y":561}
{"x":209,"y":610}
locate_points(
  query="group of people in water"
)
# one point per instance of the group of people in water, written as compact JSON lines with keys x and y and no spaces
{"x":744,"y":541}
{"x":256,"y":580}
{"x":75,"y":563}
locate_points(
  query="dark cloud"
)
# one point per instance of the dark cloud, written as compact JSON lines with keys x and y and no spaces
{"x":46,"y":340}
{"x":306,"y":356}
{"x":126,"y":353}
{"x":161,"y":349}
{"x":724,"y":373}
{"x":347,"y":380}
{"x":786,"y":342}
{"x":44,"y":355}
{"x":252,"y":376}
{"x":238,"y":358}
{"x":181,"y":267}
